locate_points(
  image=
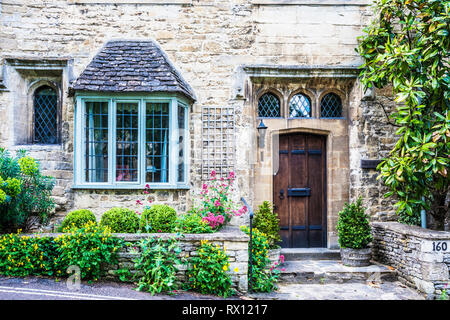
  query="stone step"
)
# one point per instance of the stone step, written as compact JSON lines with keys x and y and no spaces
{"x":294,"y":254}
{"x":333,"y":271}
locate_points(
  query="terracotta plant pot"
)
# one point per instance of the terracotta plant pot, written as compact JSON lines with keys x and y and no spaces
{"x":356,"y":257}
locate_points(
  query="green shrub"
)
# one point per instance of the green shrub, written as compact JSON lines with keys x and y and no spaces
{"x":192,"y":223}
{"x":263,"y":279}
{"x":120,"y":220}
{"x":207,"y":272}
{"x":353,"y":226}
{"x":24,"y":191}
{"x":158,"y":265}
{"x":267,"y":222}
{"x":22,"y":256}
{"x":91,"y":248}
{"x":77,"y":219}
{"x":158,"y":218}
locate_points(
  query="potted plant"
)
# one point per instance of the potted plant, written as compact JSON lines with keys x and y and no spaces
{"x":354,"y":235}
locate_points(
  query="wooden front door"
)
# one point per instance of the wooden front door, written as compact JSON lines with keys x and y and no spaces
{"x":299,"y":190}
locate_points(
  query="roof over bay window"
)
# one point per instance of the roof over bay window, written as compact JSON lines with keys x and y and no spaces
{"x":132,"y":66}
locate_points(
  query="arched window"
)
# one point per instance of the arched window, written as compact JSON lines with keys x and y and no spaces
{"x":300,"y":106}
{"x":45,"y":115}
{"x":269,"y":106}
{"x":331,"y":106}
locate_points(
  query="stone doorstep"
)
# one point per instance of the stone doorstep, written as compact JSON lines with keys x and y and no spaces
{"x":333,"y":271}
{"x":293,"y":254}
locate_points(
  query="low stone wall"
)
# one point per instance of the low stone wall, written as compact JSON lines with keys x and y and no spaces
{"x":420,"y":256}
{"x":232,"y":240}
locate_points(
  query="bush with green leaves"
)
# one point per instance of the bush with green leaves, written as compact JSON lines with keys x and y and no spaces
{"x":353,"y":226}
{"x":264,"y":277}
{"x":120,"y":220}
{"x":23,"y":255}
{"x":407,"y":48}
{"x":267,"y":221}
{"x":77,"y":219}
{"x":192,"y":223}
{"x":207,"y":272}
{"x":158,"y":265}
{"x":91,"y":248}
{"x":24,"y":191}
{"x":158,"y":218}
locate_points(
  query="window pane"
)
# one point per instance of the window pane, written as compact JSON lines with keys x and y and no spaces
{"x":181,"y":141}
{"x":96,"y":140}
{"x":157,"y":142}
{"x":331,"y":106}
{"x":300,"y":107}
{"x":45,"y":116}
{"x":127,"y":124}
{"x":269,"y":106}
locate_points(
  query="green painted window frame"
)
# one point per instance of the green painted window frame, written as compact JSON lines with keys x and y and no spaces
{"x":174,"y":102}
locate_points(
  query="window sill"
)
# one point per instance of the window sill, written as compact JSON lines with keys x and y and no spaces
{"x":130,"y":187}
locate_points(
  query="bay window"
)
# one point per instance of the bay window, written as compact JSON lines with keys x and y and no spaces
{"x":129,"y":142}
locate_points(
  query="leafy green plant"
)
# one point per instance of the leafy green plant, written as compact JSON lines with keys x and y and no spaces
{"x":267,"y":222}
{"x":124,"y":275}
{"x":207,"y":272}
{"x":407,"y":47}
{"x":120,"y":220}
{"x":158,"y":264}
{"x":353,"y":226}
{"x":158,"y":218}
{"x":22,"y":256}
{"x":91,"y":248}
{"x":264,"y":279}
{"x":24,"y":191}
{"x":77,"y":219}
{"x":444,"y":293}
{"x":192,"y":223}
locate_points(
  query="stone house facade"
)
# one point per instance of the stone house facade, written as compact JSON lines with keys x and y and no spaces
{"x":112,"y":95}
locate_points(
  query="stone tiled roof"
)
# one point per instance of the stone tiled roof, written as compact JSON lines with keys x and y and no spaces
{"x":131,"y":66}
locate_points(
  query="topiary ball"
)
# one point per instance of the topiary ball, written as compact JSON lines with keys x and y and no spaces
{"x":158,"y":218}
{"x":77,"y":219}
{"x":120,"y":220}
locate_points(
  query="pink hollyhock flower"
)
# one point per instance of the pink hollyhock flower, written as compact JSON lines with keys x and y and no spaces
{"x":205,"y":186}
{"x":147,"y":186}
{"x":139,"y":202}
{"x":283,"y":269}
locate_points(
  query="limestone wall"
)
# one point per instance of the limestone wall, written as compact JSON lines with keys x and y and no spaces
{"x":420,"y":256}
{"x":209,"y":41}
{"x":233,"y":241}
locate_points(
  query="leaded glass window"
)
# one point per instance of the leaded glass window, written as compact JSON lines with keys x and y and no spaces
{"x":127,"y":127}
{"x":45,"y":115}
{"x":96,"y":141}
{"x":269,"y":106}
{"x":181,"y":141}
{"x":300,"y":106}
{"x":331,"y":106}
{"x":157,"y":142}
{"x":130,"y":142}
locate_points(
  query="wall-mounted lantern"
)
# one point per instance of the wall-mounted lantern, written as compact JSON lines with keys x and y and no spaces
{"x":262,"y":133}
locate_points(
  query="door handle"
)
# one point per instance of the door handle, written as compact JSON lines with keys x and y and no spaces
{"x":281,"y":194}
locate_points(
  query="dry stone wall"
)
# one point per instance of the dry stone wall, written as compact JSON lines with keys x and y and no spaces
{"x":420,"y":256}
{"x":232,"y":241}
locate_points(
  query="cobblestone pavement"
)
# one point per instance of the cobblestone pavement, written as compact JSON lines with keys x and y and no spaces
{"x":342,"y":291}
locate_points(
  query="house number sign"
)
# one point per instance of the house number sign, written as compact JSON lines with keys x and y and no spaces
{"x":436,"y":246}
